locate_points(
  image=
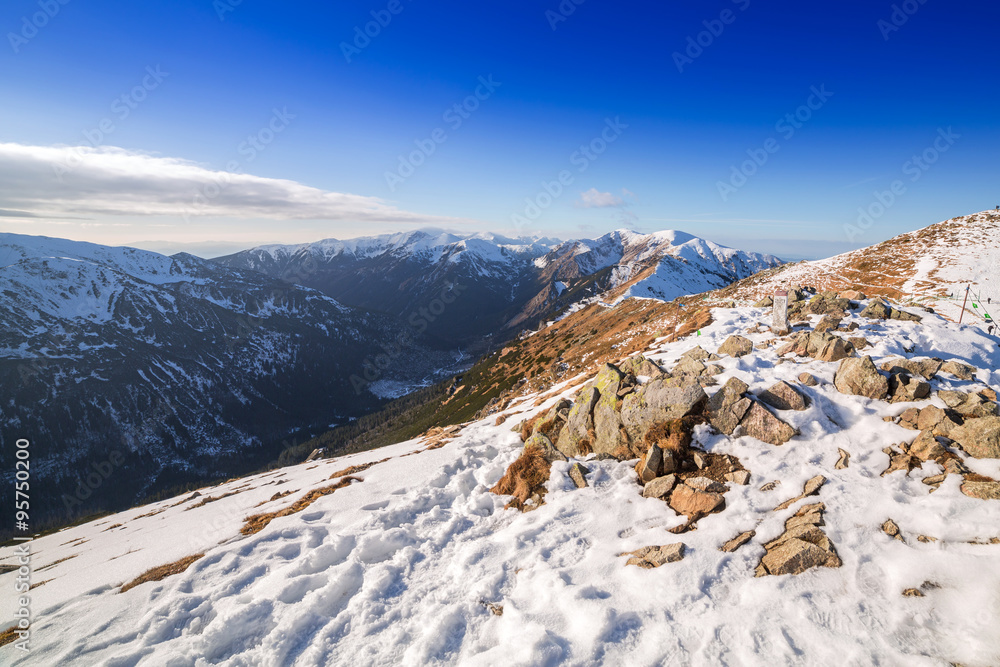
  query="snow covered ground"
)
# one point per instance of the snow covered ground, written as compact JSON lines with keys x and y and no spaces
{"x":402,"y":568}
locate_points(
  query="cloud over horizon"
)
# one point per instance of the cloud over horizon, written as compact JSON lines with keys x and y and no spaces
{"x":63,"y":182}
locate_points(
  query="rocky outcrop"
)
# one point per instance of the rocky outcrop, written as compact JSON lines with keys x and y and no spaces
{"x":660,"y":401}
{"x":802,"y":547}
{"x":641,"y":366}
{"x":859,"y":376}
{"x":609,"y":433}
{"x":576,"y":437}
{"x":969,"y":405}
{"x":880,"y":310}
{"x":821,"y":345}
{"x":655,"y":556}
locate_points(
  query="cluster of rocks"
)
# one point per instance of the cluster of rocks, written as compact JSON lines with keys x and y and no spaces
{"x":802,"y":546}
{"x":732,"y":409}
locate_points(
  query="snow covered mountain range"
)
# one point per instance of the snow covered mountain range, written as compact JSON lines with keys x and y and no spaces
{"x":503,"y":284}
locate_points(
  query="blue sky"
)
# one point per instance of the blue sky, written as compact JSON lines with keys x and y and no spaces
{"x":201,"y":77}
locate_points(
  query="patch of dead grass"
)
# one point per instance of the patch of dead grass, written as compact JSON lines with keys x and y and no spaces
{"x":160,"y":573}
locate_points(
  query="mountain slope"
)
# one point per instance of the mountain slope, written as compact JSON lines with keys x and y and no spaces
{"x":931,"y":266}
{"x":174,"y":367}
{"x":411,"y":560}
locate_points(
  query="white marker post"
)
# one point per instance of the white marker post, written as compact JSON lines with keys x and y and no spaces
{"x":779,"y":313}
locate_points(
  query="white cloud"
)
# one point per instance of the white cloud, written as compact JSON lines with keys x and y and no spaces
{"x":67,"y":182}
{"x":592,"y":198}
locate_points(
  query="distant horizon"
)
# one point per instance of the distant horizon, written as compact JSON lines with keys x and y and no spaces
{"x":214,"y":249}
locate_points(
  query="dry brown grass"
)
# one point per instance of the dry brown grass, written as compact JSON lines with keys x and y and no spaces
{"x":524,"y":478}
{"x":55,"y":562}
{"x":277,"y":496}
{"x":354,"y":470}
{"x":211,"y":499}
{"x":162,"y":572}
{"x":8,"y":636}
{"x":257,"y":522}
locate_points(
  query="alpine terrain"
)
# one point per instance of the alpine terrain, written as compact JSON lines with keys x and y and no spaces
{"x":638,"y":482}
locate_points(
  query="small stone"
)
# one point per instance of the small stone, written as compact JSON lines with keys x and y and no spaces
{"x":700,"y":461}
{"x":912,"y":593}
{"x":578,"y":473}
{"x":910,"y":419}
{"x":926,"y":539}
{"x":930,"y":417}
{"x":808,"y":380}
{"x":741,"y":477}
{"x":738,"y":541}
{"x":843,"y":461}
{"x":890,"y":528}
{"x":660,"y":487}
{"x":655,"y":556}
{"x":650,"y":465}
{"x":770,"y":486}
{"x":736,"y":346}
{"x":811,"y":488}
{"x":706,"y":484}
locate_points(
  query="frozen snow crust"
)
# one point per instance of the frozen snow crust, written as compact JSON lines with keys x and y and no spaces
{"x":412,"y":565}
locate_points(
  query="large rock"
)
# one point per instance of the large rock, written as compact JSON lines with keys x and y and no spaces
{"x":982,"y":490}
{"x":728,"y":406}
{"x":926,"y":447}
{"x":689,"y":366}
{"x":760,"y":423}
{"x":959,"y":370}
{"x":980,"y":438}
{"x":576,"y":436}
{"x":926,"y":368}
{"x":691,"y":502}
{"x":641,"y":366}
{"x":660,"y":401}
{"x":903,"y":388}
{"x":736,"y":346}
{"x":859,"y":376}
{"x":783,"y":396}
{"x":608,"y":431}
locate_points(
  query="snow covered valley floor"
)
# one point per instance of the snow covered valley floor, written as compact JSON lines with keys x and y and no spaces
{"x":413,"y":561}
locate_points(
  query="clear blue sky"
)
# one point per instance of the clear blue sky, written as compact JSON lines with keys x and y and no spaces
{"x":225,"y":68}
